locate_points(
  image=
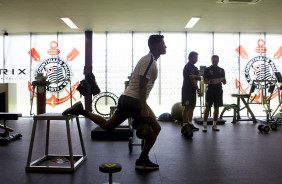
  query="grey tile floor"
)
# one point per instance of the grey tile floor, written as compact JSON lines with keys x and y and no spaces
{"x":237,"y":154}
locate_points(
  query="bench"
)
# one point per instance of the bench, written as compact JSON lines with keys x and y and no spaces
{"x":227,"y":107}
{"x":236,"y":108}
{"x":5,"y":136}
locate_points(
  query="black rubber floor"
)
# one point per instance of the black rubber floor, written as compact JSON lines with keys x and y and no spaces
{"x":238,"y":154}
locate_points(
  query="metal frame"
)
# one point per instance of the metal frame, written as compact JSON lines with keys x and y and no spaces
{"x":236,"y":107}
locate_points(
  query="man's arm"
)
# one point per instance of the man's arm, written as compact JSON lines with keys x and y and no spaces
{"x":215,"y":81}
{"x":224,"y":79}
{"x":194,"y":79}
{"x":206,"y":77}
{"x":206,"y":81}
{"x":143,"y":90}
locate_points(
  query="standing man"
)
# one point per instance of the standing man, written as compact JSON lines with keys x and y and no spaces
{"x":189,"y":88}
{"x":132,"y":103}
{"x":213,"y":77}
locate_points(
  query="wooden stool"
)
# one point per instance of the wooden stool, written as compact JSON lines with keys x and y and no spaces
{"x":74,"y":160}
{"x":110,"y":168}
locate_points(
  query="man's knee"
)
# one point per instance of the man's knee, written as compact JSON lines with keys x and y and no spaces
{"x":113,"y":123}
{"x":216,"y":109}
{"x":156,"y":128}
{"x":208,"y":108}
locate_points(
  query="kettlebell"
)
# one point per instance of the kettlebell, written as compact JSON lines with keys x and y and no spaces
{"x":144,"y":129}
{"x":186,"y":130}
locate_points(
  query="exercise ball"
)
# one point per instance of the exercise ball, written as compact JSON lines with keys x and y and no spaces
{"x":176,"y":111}
{"x":165,"y":117}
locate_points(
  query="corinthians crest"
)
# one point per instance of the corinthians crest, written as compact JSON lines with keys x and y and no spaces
{"x":259,"y":67}
{"x":58,"y":73}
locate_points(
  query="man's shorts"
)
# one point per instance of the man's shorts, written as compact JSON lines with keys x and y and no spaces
{"x":189,"y":98}
{"x":214,"y":97}
{"x":128,"y":107}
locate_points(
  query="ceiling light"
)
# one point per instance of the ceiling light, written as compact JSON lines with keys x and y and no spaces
{"x":69,"y":23}
{"x":192,"y":22}
{"x":238,"y":1}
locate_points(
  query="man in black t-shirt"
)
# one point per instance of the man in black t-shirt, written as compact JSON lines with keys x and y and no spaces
{"x":190,"y":88}
{"x":214,"y":76}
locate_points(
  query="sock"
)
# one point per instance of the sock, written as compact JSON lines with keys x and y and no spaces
{"x":205,"y":123}
{"x":190,"y":122}
{"x":83,"y":112}
{"x":214,"y":123}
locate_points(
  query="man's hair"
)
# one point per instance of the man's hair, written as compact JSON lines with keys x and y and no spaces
{"x":154,"y":39}
{"x":192,"y":54}
{"x":214,"y":56}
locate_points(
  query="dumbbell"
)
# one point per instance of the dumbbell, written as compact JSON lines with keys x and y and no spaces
{"x":186,"y":130}
{"x":131,"y":144}
{"x":273,"y":126}
{"x":143,"y":127}
{"x":144,"y":131}
{"x":264,"y":128}
{"x":110,"y":168}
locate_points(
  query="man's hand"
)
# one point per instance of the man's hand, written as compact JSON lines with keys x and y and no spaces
{"x":144,"y":112}
{"x":199,"y":93}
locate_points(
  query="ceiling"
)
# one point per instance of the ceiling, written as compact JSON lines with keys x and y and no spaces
{"x":42,"y":16}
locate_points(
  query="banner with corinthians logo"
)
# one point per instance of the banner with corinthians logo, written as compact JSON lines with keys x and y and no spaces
{"x":259,"y":59}
{"x":58,"y":57}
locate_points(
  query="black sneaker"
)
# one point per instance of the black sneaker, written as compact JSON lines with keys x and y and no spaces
{"x":74,"y":110}
{"x":145,"y":164}
{"x":194,"y":128}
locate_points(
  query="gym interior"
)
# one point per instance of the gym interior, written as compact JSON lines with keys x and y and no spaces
{"x":39,"y":145}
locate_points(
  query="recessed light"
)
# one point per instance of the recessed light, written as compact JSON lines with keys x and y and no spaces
{"x":192,"y":22}
{"x":238,"y":1}
{"x":69,"y":22}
